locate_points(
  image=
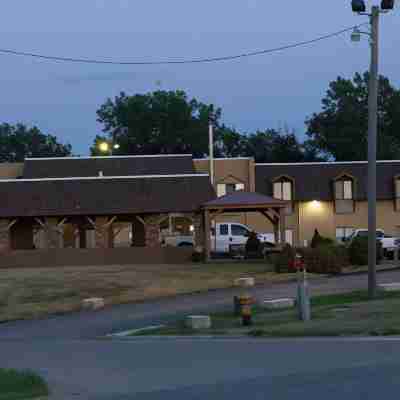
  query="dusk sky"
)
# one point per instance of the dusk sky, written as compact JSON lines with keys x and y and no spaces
{"x":256,"y":93}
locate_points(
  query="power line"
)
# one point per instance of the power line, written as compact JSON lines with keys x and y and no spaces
{"x":183,"y":61}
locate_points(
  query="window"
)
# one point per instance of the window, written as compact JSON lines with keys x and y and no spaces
{"x":343,"y":233}
{"x":238,"y":230}
{"x":344,"y":192}
{"x":223,"y":230}
{"x":283,"y":190}
{"x":227,"y":188}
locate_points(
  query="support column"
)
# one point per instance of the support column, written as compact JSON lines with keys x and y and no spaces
{"x":138,"y":233}
{"x":198,"y":223}
{"x":152,"y":230}
{"x":102,"y":233}
{"x":82,"y":237}
{"x":282,"y":226}
{"x":207,"y":234}
{"x":5,"y":240}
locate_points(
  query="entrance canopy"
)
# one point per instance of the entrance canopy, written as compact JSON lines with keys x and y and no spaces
{"x":241,"y":201}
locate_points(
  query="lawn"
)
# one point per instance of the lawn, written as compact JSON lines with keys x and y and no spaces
{"x":332,"y":315}
{"x":15,"y":385}
{"x":32,"y":293}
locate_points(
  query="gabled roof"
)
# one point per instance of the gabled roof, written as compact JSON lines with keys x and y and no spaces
{"x":314,"y":181}
{"x":104,"y":196}
{"x":244,"y":200}
{"x":108,"y":166}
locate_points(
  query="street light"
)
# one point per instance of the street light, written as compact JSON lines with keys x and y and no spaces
{"x":359,"y":7}
{"x":107,"y":147}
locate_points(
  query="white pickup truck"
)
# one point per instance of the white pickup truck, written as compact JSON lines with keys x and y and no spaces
{"x":229,"y":235}
{"x":389,"y":243}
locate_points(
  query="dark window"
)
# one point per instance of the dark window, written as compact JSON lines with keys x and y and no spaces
{"x":238,"y":230}
{"x":223,"y":229}
{"x":230,"y":188}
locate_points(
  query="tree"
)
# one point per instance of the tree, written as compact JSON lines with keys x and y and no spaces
{"x":341,"y":129}
{"x":273,"y":147}
{"x":161,"y":122}
{"x":19,"y":141}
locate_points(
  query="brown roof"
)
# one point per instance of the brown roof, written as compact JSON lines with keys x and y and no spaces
{"x":104,"y":196}
{"x":314,"y":181}
{"x":244,"y":200}
{"x":109,"y":166}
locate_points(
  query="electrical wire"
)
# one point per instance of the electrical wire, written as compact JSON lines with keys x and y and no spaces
{"x":182,"y":61}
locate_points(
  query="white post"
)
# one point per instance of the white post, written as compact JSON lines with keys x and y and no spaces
{"x":211,"y":145}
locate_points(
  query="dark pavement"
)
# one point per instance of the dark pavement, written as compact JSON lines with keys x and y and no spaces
{"x":64,"y":350}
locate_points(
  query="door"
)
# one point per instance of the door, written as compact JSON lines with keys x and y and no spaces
{"x":239,"y":234}
{"x":222,"y":242}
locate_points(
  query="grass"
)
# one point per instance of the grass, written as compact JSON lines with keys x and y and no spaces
{"x":32,"y":293}
{"x":332,"y":315}
{"x":15,"y":385}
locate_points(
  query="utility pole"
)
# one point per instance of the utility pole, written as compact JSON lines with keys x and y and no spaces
{"x":372,"y":140}
{"x":211,"y":150}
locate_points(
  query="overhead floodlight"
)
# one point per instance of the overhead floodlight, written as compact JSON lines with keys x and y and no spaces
{"x":358,"y":6}
{"x":387,"y":4}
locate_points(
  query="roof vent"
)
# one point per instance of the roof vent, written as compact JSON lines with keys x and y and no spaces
{"x":101,"y":174}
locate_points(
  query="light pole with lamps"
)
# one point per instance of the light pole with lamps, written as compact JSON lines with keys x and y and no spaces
{"x":107,"y":147}
{"x":359,"y":7}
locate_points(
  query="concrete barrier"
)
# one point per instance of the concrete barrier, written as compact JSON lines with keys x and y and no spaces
{"x":389,"y":287}
{"x":278,"y":303}
{"x":198,"y":322}
{"x":92,"y":304}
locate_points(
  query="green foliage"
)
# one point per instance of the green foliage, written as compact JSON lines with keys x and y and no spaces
{"x":343,"y":120}
{"x":18,"y":142}
{"x":282,"y":260}
{"x":318,"y":240}
{"x":165,"y":122}
{"x":325,"y":259}
{"x":253,"y":244}
{"x":161,"y":122}
{"x":21,"y":385}
{"x":358,"y":251}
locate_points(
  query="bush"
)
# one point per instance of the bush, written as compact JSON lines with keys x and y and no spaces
{"x":319,"y":240}
{"x":282,"y":260}
{"x":358,"y":251}
{"x":325,"y":259}
{"x":253,"y":245}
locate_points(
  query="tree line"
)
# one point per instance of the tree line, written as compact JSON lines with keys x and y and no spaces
{"x":166,"y":122}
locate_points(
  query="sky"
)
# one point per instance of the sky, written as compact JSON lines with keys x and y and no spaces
{"x":269,"y":91}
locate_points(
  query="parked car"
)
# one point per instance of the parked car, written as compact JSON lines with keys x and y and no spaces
{"x":389,"y":243}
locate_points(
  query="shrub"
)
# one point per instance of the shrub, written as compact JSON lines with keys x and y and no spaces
{"x":358,"y":251}
{"x":253,"y":245}
{"x":282,"y":260}
{"x":319,"y":240}
{"x":325,"y":259}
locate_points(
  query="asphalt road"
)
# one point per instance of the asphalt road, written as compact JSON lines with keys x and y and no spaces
{"x":77,"y":366}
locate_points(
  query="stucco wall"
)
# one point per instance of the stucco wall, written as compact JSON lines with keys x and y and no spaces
{"x":11,"y":170}
{"x":235,"y":170}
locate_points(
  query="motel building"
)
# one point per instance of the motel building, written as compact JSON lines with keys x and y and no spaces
{"x":98,"y":210}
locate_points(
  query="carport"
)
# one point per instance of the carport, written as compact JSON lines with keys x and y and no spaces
{"x":241,"y":202}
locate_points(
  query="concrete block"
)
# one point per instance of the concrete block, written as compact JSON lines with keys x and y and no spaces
{"x":245,"y":282}
{"x":94,"y":303}
{"x":389,"y":287}
{"x":198,"y":322}
{"x":278,"y":303}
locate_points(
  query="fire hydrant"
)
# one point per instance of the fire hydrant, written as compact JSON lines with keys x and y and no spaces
{"x":246,"y":310}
